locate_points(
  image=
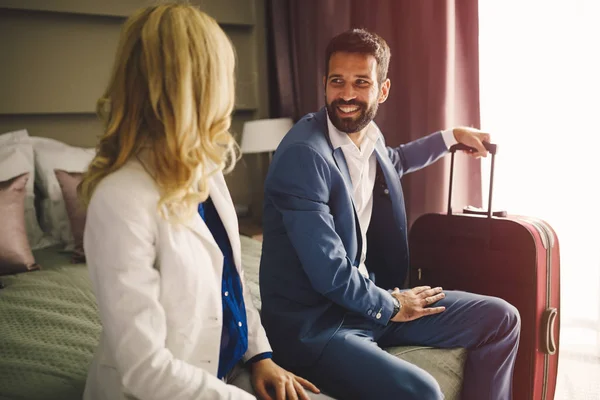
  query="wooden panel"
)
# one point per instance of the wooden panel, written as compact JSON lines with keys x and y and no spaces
{"x":233,"y":12}
{"x":260,"y":47}
{"x":241,"y":180}
{"x":54,"y":63}
{"x":246,"y":68}
{"x":60,"y":63}
{"x":75,"y":129}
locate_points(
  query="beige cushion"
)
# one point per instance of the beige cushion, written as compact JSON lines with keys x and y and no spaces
{"x":445,"y":365}
{"x":15,"y":252}
{"x":16,"y":158}
{"x":50,"y":155}
{"x":68,"y":182}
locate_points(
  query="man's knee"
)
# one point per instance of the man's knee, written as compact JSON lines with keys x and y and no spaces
{"x":504,"y":315}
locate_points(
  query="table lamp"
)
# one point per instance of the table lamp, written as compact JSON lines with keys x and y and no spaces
{"x":261,"y":136}
{"x":264,"y":135}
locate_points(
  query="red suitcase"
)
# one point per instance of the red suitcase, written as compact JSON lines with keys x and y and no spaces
{"x":512,"y":257}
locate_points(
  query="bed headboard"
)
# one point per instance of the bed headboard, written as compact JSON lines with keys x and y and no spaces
{"x":57,"y":55}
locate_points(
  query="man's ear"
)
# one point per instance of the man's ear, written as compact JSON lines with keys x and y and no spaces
{"x":385,"y":91}
{"x":324,"y":81}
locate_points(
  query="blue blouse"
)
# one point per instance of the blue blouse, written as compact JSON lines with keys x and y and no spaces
{"x":234,"y":337}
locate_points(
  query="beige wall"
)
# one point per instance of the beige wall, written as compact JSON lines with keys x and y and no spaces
{"x":56,"y":55}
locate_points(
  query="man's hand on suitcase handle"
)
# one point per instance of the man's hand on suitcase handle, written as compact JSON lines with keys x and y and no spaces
{"x":473,"y":139}
{"x":415,"y":302}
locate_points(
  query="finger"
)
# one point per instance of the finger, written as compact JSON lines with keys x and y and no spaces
{"x":419,"y":289}
{"x":433,"y":299}
{"x":430,"y":292}
{"x":261,"y":391}
{"x":280,"y":389}
{"x":395,"y":291}
{"x":481,"y":150}
{"x":300,"y":391}
{"x":433,"y":310}
{"x":291,"y":390}
{"x":307,"y":384}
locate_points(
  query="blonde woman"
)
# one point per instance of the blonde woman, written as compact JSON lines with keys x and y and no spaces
{"x":161,"y":234}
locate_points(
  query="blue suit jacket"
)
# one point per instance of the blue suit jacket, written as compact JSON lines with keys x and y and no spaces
{"x":312,"y":242}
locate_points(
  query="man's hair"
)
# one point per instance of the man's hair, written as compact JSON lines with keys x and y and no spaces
{"x":363,"y":42}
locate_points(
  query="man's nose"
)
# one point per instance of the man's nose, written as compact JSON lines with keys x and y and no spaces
{"x":348,"y":93}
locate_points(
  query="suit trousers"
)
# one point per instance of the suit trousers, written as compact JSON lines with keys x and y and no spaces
{"x":354,"y":365}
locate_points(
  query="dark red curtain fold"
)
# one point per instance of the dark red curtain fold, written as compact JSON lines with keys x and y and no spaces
{"x":433,"y":71}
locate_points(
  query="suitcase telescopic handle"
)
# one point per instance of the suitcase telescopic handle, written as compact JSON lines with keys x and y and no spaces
{"x":492,"y":149}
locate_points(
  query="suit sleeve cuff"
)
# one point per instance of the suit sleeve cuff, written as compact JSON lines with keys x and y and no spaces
{"x":383,"y":312}
{"x":449,"y":139}
{"x":259,"y":357}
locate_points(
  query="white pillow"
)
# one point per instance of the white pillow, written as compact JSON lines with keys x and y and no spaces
{"x":51,"y":154}
{"x":16,"y":158}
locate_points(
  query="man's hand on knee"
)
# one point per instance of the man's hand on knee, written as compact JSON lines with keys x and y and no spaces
{"x":416,"y":302}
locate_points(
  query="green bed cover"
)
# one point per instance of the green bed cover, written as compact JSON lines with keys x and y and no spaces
{"x":49,"y":329}
{"x":49,"y":326}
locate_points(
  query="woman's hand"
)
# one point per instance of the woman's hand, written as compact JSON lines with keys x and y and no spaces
{"x":268,"y":375}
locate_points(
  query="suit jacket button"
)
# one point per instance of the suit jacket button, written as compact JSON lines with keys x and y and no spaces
{"x":386,"y":191}
{"x":378,"y":316}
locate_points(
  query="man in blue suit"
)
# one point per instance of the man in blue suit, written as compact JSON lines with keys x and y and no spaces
{"x":329,"y":283}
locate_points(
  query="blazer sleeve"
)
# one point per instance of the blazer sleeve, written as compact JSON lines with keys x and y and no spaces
{"x":298,"y":185}
{"x":417,"y":154}
{"x":120,"y":245}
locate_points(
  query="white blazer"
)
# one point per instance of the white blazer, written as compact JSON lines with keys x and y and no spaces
{"x":158,"y":287}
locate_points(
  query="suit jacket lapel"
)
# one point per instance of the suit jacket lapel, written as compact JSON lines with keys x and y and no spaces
{"x":342,"y":165}
{"x":338,"y":155}
{"x":340,"y":161}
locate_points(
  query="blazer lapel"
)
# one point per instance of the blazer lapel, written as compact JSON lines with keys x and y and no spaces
{"x":198,"y":226}
{"x":342,"y":165}
{"x":340,"y":161}
{"x":224,"y":205}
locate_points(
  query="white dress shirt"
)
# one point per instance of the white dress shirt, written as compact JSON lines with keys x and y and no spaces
{"x":362,"y":165}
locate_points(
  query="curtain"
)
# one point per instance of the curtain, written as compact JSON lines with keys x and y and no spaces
{"x":433,"y":71}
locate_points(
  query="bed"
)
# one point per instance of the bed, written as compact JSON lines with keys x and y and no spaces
{"x":49,"y":328}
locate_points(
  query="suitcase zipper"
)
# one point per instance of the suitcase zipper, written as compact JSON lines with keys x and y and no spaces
{"x":548,"y":243}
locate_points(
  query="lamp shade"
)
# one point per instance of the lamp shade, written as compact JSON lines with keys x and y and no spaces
{"x":264,"y":135}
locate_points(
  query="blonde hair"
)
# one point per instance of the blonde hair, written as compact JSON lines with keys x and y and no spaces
{"x":172,"y":93}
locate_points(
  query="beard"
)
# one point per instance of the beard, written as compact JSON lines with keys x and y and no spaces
{"x":355,"y":124}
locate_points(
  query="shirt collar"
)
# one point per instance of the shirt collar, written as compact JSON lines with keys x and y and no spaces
{"x":340,"y":139}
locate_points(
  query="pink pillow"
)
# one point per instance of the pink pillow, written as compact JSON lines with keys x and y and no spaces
{"x":15,"y":252}
{"x":68,"y":182}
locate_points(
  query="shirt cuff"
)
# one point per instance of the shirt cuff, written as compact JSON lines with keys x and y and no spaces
{"x":449,"y":139}
{"x":259,"y":357}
